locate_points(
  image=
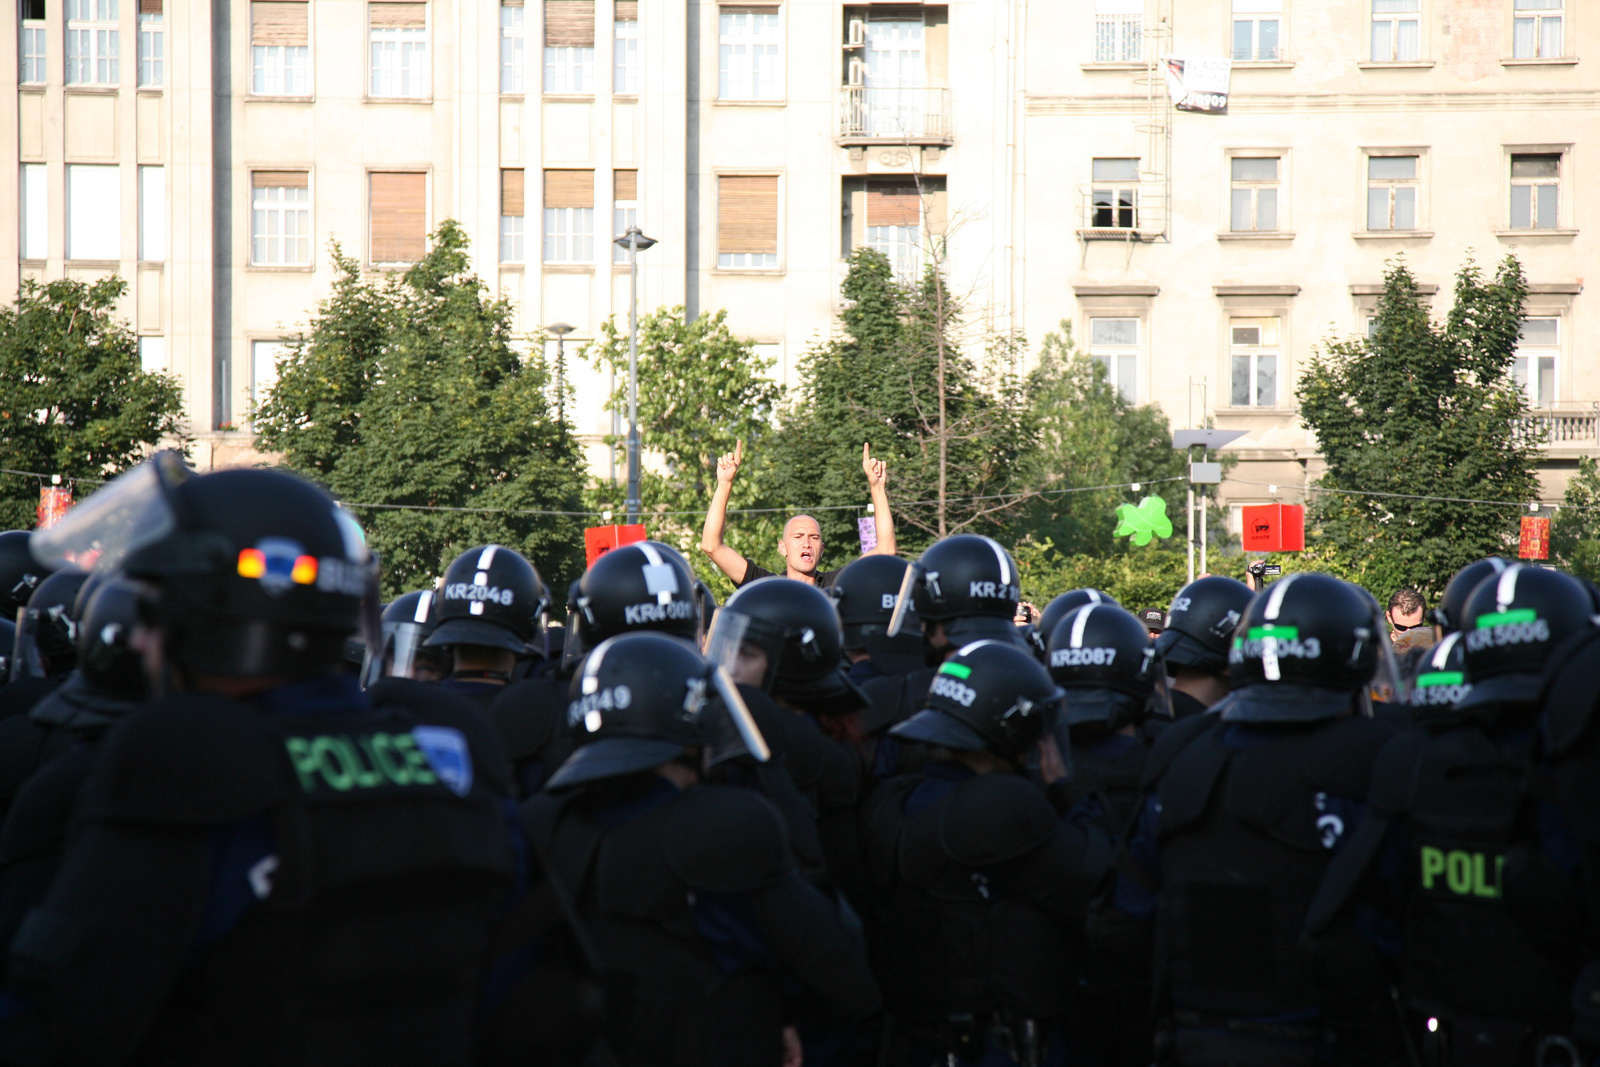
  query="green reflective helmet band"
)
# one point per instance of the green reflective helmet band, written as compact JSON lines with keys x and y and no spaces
{"x":1506,"y":618}
{"x":1282,"y":633}
{"x":958,"y":670}
{"x":1427,"y":681}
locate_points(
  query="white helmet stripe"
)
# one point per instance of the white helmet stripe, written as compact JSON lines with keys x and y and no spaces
{"x":1441,"y":651}
{"x":1001,"y":558}
{"x":1505,"y":591}
{"x":424,"y":603}
{"x":650,"y":553}
{"x":486,"y":557}
{"x":1079,"y":623}
{"x":1275,"y":598}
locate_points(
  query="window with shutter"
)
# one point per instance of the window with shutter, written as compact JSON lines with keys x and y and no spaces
{"x":152,"y":45}
{"x":625,"y":47}
{"x":624,"y":208}
{"x":512,"y":222}
{"x":747,"y":221}
{"x":398,"y":40}
{"x":894,"y":224}
{"x":569,"y":216}
{"x":399,"y":217}
{"x":280,"y":218}
{"x":513,"y":46}
{"x":569,"y":46}
{"x":280,"y":53}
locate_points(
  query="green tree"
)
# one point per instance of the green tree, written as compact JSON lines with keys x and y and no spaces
{"x":407,"y":391}
{"x":1575,"y":527}
{"x":73,"y":399}
{"x":1420,"y":409}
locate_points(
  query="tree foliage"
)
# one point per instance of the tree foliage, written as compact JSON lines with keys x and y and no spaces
{"x":1421,"y":409}
{"x":1575,"y":527}
{"x":73,"y":398}
{"x":406,"y":390}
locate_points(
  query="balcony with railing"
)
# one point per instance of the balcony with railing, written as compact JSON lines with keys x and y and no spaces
{"x":871,"y":115}
{"x":1573,"y":426}
{"x":1122,"y":210}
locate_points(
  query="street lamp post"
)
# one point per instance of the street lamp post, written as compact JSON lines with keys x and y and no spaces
{"x":1201,"y":473}
{"x":635,"y":242}
{"x":561,"y":329}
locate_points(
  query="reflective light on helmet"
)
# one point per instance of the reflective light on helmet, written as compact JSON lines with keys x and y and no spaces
{"x":305,"y":570}
{"x":252,"y":563}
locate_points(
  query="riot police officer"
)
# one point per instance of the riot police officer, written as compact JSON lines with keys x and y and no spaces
{"x":271,"y":866}
{"x":865,"y":592}
{"x":1451,"y":612}
{"x":980,"y":882}
{"x":44,"y":652}
{"x":1440,"y":682}
{"x":404,"y":628}
{"x":1195,"y":643}
{"x":491,"y":605}
{"x":1487,"y":881}
{"x":1064,"y":602}
{"x":685,"y":894}
{"x":20,"y":573}
{"x":1246,"y":810}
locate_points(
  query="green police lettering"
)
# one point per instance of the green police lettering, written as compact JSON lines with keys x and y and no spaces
{"x":343,"y":762}
{"x":1462,"y":873}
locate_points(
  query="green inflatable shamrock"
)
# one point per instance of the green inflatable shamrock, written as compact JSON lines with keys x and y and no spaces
{"x":1143,"y":521}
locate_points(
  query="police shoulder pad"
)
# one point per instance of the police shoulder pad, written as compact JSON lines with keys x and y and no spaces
{"x":1571,"y":693}
{"x":430,"y":706}
{"x":995,"y":817}
{"x":1169,"y":743}
{"x":529,"y":715}
{"x":191,"y":759}
{"x":1343,"y":759}
{"x":1393,"y":772}
{"x":727,"y":840}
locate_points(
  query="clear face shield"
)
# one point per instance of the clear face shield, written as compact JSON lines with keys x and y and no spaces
{"x":730,"y":729}
{"x":1155,"y":668}
{"x":27,"y":660}
{"x":732,"y":647}
{"x":1388,"y":685}
{"x":129,"y":512}
{"x":399,"y":650}
{"x":904,"y":621}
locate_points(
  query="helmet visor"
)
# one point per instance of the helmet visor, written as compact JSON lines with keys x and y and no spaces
{"x":1155,"y":668}
{"x":730,"y":729}
{"x":904,"y":609}
{"x":1388,"y":681}
{"x":731,"y":648}
{"x":129,"y":512}
{"x":26,"y":661}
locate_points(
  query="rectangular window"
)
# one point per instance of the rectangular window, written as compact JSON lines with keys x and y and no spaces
{"x":92,"y":42}
{"x":1253,"y":350}
{"x":1396,"y":31}
{"x":512,"y":212}
{"x":264,"y":358}
{"x":1253,"y":194}
{"x":1535,"y":365}
{"x":35,"y":213}
{"x":625,"y":48}
{"x":894,"y":74}
{"x":32,"y":43}
{"x":747,"y":222}
{"x":1118,"y":31}
{"x":894,"y":225}
{"x":94,"y":215}
{"x":1535,"y":191}
{"x":1536,"y":31}
{"x":1391,"y":192}
{"x":153,"y":214}
{"x":624,"y":208}
{"x":513,"y":47}
{"x":569,"y":46}
{"x":1255,"y":30}
{"x":1114,"y":344}
{"x":399,"y":205}
{"x":280,"y":218}
{"x":153,"y":355}
{"x":1115,"y":195}
{"x":152,"y":45}
{"x":569,"y":216}
{"x":398,"y":35}
{"x":749,"y":54}
{"x":280,"y":53}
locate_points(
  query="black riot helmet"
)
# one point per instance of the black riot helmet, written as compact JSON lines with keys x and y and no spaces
{"x":1441,"y":680}
{"x":643,"y":699}
{"x":1201,"y":622}
{"x":254,"y":572}
{"x":404,"y":628}
{"x":491,"y":596}
{"x":1307,"y":650}
{"x":1510,"y":624}
{"x":645,"y":585}
{"x":968,"y":583}
{"x":106,"y":658}
{"x":864,"y":592}
{"x":1102,"y":657}
{"x":46,"y":643}
{"x":20,"y":573}
{"x":8,"y":642}
{"x":797,"y":627}
{"x":989,"y":696}
{"x":1452,"y":606}
{"x":1058,"y":607}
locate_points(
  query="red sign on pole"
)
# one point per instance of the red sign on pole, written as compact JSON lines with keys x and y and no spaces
{"x":598,"y":540}
{"x":54,"y":503}
{"x":1535,"y":540}
{"x":1274,"y":528}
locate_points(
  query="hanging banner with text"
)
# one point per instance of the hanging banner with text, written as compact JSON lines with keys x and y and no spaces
{"x":1199,"y":83}
{"x":1535,"y":540}
{"x":54,"y":502}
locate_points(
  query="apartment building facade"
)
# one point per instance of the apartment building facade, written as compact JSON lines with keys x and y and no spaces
{"x":211,"y":153}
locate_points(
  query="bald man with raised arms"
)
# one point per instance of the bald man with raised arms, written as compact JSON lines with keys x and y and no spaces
{"x":801,"y":544}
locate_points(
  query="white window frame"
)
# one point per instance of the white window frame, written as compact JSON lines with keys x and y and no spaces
{"x":34,"y":215}
{"x":1118,"y":31}
{"x":1120,"y":360}
{"x":1264,"y":349}
{"x":625,"y":58}
{"x":153,"y":354}
{"x":152,"y":214}
{"x":624,"y":213}
{"x":152,"y":50}
{"x":1539,"y":189}
{"x":1254,"y":187}
{"x":568,"y":235}
{"x":1255,"y":13}
{"x":33,"y":48}
{"x":94,"y":210}
{"x":749,"y":54}
{"x":280,"y":70}
{"x":1532,"y":26}
{"x":93,"y":42}
{"x":514,"y":238}
{"x":286,"y":243}
{"x":513,"y":50}
{"x":397,"y":58}
{"x":1113,"y":190}
{"x":1390,"y":18}
{"x":1529,"y":356}
{"x":903,"y":246}
{"x":272,"y":349}
{"x":569,"y":71}
{"x":1413,"y":183}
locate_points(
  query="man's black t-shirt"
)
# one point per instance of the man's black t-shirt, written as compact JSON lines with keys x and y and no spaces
{"x":754,"y":570}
